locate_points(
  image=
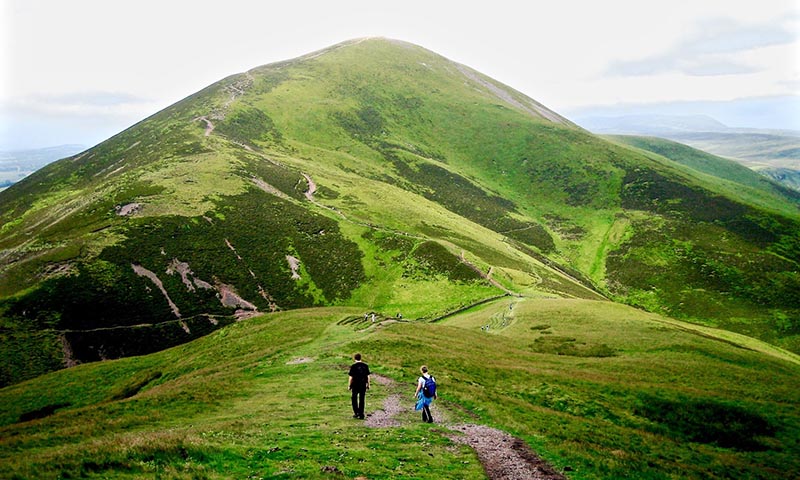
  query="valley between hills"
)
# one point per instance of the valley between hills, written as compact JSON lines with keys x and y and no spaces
{"x":183,"y":299}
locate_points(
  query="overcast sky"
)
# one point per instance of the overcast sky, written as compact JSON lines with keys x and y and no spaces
{"x":78,"y":71}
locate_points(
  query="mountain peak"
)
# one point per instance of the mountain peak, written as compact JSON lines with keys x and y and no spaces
{"x":376,"y":174}
{"x":378,"y":56}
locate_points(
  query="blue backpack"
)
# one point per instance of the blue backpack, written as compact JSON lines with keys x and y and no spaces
{"x":429,"y":389}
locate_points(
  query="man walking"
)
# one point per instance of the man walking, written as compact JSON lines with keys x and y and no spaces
{"x":358,"y":384}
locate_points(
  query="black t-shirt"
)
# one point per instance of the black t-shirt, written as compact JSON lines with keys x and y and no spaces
{"x":359,"y":371}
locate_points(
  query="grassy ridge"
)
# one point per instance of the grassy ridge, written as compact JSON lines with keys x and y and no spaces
{"x":747,"y":183}
{"x":557,"y":373}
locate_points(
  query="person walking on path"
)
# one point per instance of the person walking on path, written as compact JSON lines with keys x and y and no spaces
{"x":358,"y":384}
{"x":425,"y":394}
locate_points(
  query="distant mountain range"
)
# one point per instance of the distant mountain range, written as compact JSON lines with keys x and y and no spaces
{"x":756,"y":148}
{"x":18,"y":164}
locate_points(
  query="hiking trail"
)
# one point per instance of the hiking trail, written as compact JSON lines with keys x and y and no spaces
{"x":503,"y":456}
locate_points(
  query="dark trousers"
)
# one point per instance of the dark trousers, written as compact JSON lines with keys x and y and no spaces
{"x":426,"y":414}
{"x":357,"y":398}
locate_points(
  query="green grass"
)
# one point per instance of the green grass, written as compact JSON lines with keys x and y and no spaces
{"x":228,"y":406}
{"x":233,"y":405}
{"x":401,"y":143}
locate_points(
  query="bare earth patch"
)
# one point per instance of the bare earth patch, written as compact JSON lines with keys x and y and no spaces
{"x":503,"y":456}
{"x":143,"y":272}
{"x":299,"y":360}
{"x":294,"y":265}
{"x":381,"y":380}
{"x":184,"y":270}
{"x":267,"y":187}
{"x":385,"y":417}
{"x":312,"y":188}
{"x":129,"y":209}
{"x":245,"y":314}
{"x":229,"y":298}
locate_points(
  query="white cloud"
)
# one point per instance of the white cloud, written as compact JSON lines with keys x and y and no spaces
{"x":98,"y":104}
{"x":712,"y":49}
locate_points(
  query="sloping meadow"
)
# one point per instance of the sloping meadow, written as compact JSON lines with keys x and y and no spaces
{"x":598,"y":390}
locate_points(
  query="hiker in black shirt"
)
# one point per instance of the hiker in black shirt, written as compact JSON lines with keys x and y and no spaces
{"x":358,"y":385}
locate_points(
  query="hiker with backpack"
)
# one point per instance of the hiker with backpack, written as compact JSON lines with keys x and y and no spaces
{"x":425,"y":394}
{"x":358,"y":383}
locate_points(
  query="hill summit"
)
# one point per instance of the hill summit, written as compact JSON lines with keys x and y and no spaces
{"x":373,"y":174}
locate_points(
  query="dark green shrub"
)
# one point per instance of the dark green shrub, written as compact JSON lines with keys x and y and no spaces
{"x":706,"y":421}
{"x":434,"y":258}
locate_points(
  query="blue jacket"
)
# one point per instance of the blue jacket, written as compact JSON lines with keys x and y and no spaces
{"x":422,"y":400}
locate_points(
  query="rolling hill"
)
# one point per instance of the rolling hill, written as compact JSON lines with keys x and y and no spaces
{"x":373,"y":174}
{"x":746,"y":183}
{"x":598,"y":390}
{"x":786,"y":176}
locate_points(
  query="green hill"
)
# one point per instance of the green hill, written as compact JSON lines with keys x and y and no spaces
{"x":378,"y":175}
{"x":786,"y":176}
{"x":742,"y":182}
{"x":267,"y":398}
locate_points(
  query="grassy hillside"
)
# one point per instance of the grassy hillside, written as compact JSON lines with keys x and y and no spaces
{"x":752,"y":148}
{"x":785,"y":176}
{"x":379,"y":174}
{"x":266,"y":397}
{"x":743,"y":182}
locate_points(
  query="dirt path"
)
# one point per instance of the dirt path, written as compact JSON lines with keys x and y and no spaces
{"x":309,"y":194}
{"x":487,"y":276}
{"x":392,"y":406}
{"x":502,"y":456}
{"x":209,"y":125}
{"x":385,"y":417}
{"x":312,"y":187}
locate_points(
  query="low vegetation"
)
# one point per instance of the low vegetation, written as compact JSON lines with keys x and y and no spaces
{"x":267,"y":397}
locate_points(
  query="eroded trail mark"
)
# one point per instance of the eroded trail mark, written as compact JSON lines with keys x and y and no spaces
{"x":392,"y":406}
{"x":530,"y":106}
{"x":209,"y":125}
{"x":503,"y":456}
{"x":385,"y":417}
{"x":309,"y":194}
{"x":486,"y":276}
{"x":312,"y":188}
{"x":143,"y":272}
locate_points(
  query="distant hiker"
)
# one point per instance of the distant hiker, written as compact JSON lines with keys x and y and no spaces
{"x":399,"y":315}
{"x":373,"y":318}
{"x":425,"y":394}
{"x":358,"y":384}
